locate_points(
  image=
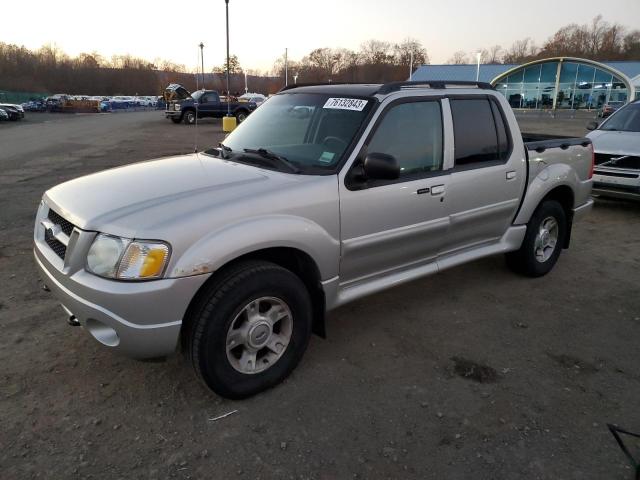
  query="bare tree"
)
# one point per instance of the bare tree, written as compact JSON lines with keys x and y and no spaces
{"x":376,"y":52}
{"x":406,"y":48}
{"x":520,"y":51}
{"x":494,"y":54}
{"x":458,"y":58}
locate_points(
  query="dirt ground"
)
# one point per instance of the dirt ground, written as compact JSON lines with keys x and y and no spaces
{"x":472,"y":373}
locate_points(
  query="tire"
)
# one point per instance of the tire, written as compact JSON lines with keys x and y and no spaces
{"x":539,"y":251}
{"x":224,"y":310}
{"x":189,"y":117}
{"x":176,"y":119}
{"x":241,"y":116}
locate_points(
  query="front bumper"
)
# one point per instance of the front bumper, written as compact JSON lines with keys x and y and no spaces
{"x":172,"y":113}
{"x":138,"y":319}
{"x":613,"y":191}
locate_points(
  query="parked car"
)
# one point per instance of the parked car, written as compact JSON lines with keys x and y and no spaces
{"x":183,"y":105}
{"x":324,"y":195}
{"x":121,"y":102}
{"x":256,"y":98}
{"x":3,"y":115}
{"x":15,"y":112}
{"x":35,"y":106}
{"x":617,"y":149}
{"x":608,"y":108}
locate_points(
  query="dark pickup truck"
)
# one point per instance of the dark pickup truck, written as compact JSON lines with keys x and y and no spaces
{"x":184,"y":106}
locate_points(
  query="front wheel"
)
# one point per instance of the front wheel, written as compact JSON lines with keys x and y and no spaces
{"x":543,"y":241}
{"x":250,"y":329}
{"x":189,"y":117}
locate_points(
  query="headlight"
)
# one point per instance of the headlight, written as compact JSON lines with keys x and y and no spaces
{"x":176,"y":107}
{"x":125,"y":259}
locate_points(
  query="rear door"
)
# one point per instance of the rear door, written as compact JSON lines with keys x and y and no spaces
{"x":391,"y":225}
{"x":488,"y":176}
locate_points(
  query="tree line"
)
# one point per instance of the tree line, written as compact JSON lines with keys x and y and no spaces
{"x":49,"y":69}
{"x":597,"y":40}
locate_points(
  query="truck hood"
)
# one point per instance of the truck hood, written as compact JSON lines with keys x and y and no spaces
{"x":175,"y":91}
{"x":615,"y":142}
{"x":142,"y":198}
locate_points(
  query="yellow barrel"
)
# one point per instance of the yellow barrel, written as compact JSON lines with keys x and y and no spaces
{"x":228,"y":124}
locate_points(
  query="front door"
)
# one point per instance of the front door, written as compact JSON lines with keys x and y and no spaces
{"x":390,"y":225}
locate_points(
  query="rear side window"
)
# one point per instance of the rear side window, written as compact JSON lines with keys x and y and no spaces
{"x":479,"y":131}
{"x":411,"y":132}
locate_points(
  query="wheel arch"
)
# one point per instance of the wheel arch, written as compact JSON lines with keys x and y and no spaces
{"x":295,"y":260}
{"x":564,"y":195}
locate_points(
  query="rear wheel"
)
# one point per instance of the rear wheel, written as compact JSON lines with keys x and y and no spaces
{"x":542,"y":244}
{"x":250,"y":329}
{"x":241,"y":116}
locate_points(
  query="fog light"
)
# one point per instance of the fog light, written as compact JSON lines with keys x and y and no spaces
{"x":103,"y":333}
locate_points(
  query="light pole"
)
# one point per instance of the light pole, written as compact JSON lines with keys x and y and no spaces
{"x":295,"y":79}
{"x":202,"y":61}
{"x":411,"y":67}
{"x":478,"y":56}
{"x":228,"y":91}
{"x":228,"y":121}
{"x":286,"y":68}
{"x":246,"y":88}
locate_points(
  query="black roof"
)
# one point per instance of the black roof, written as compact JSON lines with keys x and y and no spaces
{"x":355,"y":89}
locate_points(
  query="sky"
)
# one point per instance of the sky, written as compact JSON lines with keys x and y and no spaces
{"x":261,"y":30}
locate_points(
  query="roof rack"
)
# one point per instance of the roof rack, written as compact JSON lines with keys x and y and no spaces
{"x":395,"y":86}
{"x":315,"y":84}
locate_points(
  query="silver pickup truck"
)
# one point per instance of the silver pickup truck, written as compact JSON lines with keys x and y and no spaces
{"x":326,"y":194}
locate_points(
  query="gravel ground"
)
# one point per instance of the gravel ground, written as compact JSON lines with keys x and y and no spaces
{"x":473,"y":373}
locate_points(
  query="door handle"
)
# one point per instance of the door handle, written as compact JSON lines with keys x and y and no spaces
{"x":423,"y":190}
{"x":437,"y":190}
{"x":511,"y":175}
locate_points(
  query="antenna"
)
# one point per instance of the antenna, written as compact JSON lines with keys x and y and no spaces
{"x":195,"y":104}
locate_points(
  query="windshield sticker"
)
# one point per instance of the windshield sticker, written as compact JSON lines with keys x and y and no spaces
{"x":356,"y":104}
{"x":326,"y":157}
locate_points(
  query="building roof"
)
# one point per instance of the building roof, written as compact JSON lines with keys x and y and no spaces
{"x":460,"y":72}
{"x":490,"y":71}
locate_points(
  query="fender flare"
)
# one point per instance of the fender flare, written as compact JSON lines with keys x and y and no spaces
{"x":221,"y":246}
{"x":547,"y":180}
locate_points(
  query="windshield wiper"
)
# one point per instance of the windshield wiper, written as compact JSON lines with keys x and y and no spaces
{"x":264,"y":153}
{"x":224,"y":150}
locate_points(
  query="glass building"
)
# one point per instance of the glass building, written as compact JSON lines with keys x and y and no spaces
{"x":563,"y":83}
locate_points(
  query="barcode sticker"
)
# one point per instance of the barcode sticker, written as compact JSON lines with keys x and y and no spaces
{"x":356,"y":104}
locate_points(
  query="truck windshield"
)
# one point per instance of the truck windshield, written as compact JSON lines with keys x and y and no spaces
{"x":311,"y":131}
{"x":627,"y":119}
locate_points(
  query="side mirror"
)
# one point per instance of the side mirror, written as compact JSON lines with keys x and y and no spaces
{"x":592,"y":125}
{"x":380,"y":166}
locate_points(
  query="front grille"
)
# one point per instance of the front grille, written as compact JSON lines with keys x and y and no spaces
{"x":619,"y":161}
{"x":58,"y":247}
{"x":66,"y":226}
{"x":615,"y":174}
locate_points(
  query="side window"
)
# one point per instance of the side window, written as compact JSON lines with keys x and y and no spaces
{"x":211,"y":97}
{"x":474,"y":128}
{"x":411,"y":132}
{"x":504,"y":142}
